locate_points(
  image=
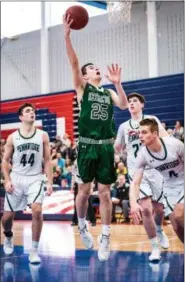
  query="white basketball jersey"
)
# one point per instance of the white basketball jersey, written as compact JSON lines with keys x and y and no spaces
{"x":128,"y":135}
{"x":28,"y":153}
{"x":169,"y":161}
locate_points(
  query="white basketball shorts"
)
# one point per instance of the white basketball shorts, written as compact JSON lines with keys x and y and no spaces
{"x":173,"y":196}
{"x":151,"y":185}
{"x":27,"y":190}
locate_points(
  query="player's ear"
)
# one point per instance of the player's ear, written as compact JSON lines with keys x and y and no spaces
{"x":85,"y":77}
{"x":20,"y":117}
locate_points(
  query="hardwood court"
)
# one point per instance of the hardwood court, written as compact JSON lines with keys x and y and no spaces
{"x":65,"y":259}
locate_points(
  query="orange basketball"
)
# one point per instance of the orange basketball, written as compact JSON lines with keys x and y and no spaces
{"x":79,"y":15}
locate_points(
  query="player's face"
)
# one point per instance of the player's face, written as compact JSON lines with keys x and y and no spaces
{"x":134,"y":105}
{"x":28,"y":115}
{"x":146,"y":136}
{"x":92,"y":72}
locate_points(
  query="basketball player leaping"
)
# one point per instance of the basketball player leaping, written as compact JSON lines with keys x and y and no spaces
{"x":26,"y":148}
{"x":167,"y":156}
{"x":96,"y":131}
{"x":151,"y":187}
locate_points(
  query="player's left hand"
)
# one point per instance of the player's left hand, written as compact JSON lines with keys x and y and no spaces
{"x":49,"y":189}
{"x":136,"y":211}
{"x":114,"y":74}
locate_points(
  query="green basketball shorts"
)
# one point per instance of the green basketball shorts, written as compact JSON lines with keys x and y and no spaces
{"x":95,"y":161}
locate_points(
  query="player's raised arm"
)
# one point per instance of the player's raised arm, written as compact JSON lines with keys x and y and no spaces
{"x":78,"y":80}
{"x":114,"y":76}
{"x":47,"y":163}
{"x":162,"y":130}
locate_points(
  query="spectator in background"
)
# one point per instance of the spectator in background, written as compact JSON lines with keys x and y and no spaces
{"x":121,"y":169}
{"x":178,"y":131}
{"x":59,"y":170}
{"x":57,"y":179}
{"x":60,"y":161}
{"x":68,"y":162}
{"x":120,"y":196}
{"x":67,"y":177}
{"x":116,"y":160}
{"x":57,"y":142}
{"x":66,"y":141}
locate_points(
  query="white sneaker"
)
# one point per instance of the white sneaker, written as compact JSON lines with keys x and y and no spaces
{"x":86,"y":237}
{"x":155,"y":255}
{"x":9,"y":271}
{"x":104,"y":247}
{"x":163,"y":240}
{"x":34,"y":257}
{"x":8,"y":246}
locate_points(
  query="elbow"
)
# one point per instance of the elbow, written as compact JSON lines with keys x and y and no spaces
{"x":123,"y":106}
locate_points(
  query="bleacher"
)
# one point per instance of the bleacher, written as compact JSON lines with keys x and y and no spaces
{"x":164,"y":98}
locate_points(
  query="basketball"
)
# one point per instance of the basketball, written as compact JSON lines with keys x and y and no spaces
{"x":79,"y":15}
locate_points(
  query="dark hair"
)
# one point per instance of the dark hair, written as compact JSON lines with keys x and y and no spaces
{"x":139,"y":96}
{"x":83,"y":68}
{"x":22,"y":107}
{"x":150,"y":122}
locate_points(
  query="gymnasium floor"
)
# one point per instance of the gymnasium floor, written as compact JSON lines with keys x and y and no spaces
{"x":64,"y":259}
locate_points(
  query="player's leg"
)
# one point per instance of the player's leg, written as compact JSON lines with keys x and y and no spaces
{"x":150,"y":227}
{"x":159,"y":218}
{"x":35,"y":198}
{"x":156,"y":185}
{"x":177,"y":220}
{"x":13,"y":202}
{"x":84,"y":176}
{"x":125,"y":208}
{"x":105,"y":175}
{"x":7,"y":222}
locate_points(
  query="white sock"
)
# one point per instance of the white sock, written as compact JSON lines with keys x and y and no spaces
{"x":35,"y":245}
{"x":159,"y":228}
{"x":106,"y":230}
{"x":154,"y":243}
{"x":81,"y":222}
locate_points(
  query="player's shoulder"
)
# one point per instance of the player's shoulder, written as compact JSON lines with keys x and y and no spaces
{"x":14,"y":135}
{"x":171,"y":140}
{"x":151,"y":116}
{"x":124,"y":124}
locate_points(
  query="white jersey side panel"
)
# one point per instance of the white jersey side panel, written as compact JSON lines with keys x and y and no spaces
{"x":28,"y":153}
{"x":169,"y":162}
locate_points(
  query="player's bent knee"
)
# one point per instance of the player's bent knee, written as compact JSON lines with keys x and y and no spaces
{"x":179,"y":213}
{"x":147,"y":210}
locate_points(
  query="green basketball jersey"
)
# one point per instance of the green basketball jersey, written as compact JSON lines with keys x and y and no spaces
{"x":96,"y":115}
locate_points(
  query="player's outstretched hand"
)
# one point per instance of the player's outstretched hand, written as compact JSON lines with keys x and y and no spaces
{"x":114,"y":74}
{"x":67,"y":24}
{"x":49,"y":189}
{"x":136,"y":211}
{"x":9,"y":187}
